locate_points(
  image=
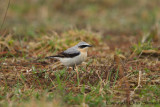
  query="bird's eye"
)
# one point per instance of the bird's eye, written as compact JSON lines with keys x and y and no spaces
{"x":82,"y":46}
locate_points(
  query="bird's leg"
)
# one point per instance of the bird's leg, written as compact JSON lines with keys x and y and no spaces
{"x":73,"y":68}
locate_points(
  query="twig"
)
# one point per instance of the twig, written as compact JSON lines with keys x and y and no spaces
{"x":139,"y":81}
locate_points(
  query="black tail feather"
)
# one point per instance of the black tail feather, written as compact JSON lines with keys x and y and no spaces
{"x":49,"y":57}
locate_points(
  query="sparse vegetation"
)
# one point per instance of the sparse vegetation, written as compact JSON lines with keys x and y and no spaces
{"x":123,"y":66}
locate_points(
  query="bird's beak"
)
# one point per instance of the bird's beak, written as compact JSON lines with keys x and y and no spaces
{"x":90,"y":46}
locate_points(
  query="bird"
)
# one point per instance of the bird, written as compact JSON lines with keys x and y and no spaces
{"x":73,"y":56}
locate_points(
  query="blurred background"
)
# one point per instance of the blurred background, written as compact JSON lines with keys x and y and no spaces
{"x":29,"y":17}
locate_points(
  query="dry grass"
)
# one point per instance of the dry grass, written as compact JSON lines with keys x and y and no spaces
{"x":122,"y":67}
{"x":24,"y":69}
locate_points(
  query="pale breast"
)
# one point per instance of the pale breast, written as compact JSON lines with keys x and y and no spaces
{"x":84,"y":55}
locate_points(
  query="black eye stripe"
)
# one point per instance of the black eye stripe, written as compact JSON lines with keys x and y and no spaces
{"x":83,"y":46}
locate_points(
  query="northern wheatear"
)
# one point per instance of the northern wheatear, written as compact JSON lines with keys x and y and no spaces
{"x":73,"y":56}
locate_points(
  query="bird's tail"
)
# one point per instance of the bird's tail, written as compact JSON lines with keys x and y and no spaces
{"x":50,"y":57}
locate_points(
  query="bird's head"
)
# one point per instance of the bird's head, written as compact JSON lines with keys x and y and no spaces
{"x":83,"y":46}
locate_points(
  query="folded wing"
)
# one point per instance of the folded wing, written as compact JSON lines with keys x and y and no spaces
{"x":69,"y":53}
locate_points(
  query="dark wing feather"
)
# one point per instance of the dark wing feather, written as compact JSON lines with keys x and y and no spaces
{"x":70,"y":53}
{"x":67,"y":55}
